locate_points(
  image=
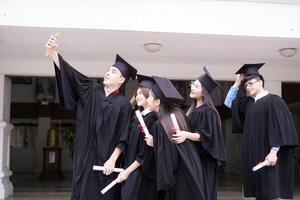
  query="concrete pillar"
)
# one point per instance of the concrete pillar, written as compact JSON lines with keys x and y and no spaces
{"x":44,"y":123}
{"x":273,"y":87}
{"x":6,"y":187}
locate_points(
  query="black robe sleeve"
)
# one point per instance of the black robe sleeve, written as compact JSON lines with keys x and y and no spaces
{"x":72,"y":85}
{"x":145,"y":152}
{"x":136,"y":144}
{"x":123,"y":126}
{"x":166,"y":158}
{"x":282,"y":131}
{"x":205,"y":121}
{"x":239,"y":107}
{"x":141,"y":149}
{"x":148,"y":165}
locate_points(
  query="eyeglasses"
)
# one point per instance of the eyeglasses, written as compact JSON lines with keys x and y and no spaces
{"x":250,"y":83}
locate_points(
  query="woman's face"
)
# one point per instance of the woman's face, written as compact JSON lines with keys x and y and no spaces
{"x":141,"y":100}
{"x":196,"y":90}
{"x":153,"y":104}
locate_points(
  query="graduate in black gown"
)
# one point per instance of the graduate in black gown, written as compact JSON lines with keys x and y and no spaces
{"x":269,"y":134}
{"x":179,"y":171}
{"x":138,"y":180}
{"x":206,"y":131}
{"x":102,"y":123}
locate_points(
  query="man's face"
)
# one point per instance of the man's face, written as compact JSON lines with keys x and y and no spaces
{"x":253,"y":87}
{"x":113,"y":77}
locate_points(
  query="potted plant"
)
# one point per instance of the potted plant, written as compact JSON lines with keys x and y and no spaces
{"x":68,"y":138}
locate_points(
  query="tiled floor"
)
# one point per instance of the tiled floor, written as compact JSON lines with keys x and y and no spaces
{"x":27,"y":187}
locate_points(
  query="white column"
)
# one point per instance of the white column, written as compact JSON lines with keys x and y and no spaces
{"x":44,"y":123}
{"x":273,"y":87}
{"x":6,"y":187}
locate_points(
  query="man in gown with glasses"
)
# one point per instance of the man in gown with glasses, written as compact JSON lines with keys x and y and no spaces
{"x":269,"y":135}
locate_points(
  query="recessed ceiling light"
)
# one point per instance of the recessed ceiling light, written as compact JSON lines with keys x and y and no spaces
{"x":288,"y":52}
{"x":152,"y":47}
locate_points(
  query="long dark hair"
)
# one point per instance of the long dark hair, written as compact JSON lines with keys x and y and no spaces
{"x":164,"y":117}
{"x":206,"y":101}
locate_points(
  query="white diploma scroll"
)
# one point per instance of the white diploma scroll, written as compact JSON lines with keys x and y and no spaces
{"x":260,"y":165}
{"x":141,"y":120}
{"x":175,"y":123}
{"x":112,"y":184}
{"x":101,"y":168}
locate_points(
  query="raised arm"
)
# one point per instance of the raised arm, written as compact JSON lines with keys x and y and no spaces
{"x":72,"y":85}
{"x":231,"y":95}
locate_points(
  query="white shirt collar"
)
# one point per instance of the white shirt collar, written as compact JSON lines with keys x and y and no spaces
{"x":261,"y":95}
{"x":146,"y":111}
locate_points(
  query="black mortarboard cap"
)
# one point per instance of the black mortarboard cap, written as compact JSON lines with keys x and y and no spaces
{"x":207,"y":81}
{"x":145,"y":81}
{"x":165,"y":90}
{"x":250,"y":69}
{"x":125,"y":68}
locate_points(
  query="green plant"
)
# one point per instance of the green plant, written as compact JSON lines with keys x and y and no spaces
{"x":68,"y":138}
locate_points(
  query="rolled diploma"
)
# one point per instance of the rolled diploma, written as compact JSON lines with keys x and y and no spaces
{"x":112,"y":184}
{"x":141,"y":120}
{"x":260,"y":165}
{"x":175,"y":123}
{"x":101,"y":168}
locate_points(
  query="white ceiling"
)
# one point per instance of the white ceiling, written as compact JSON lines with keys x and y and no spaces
{"x":272,"y":1}
{"x":27,"y":43}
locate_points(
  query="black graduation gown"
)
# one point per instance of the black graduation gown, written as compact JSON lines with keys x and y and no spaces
{"x":130,"y":189}
{"x":268,"y":123}
{"x":148,"y":183}
{"x":102,"y":124}
{"x":204,"y":120}
{"x":238,"y":116}
{"x":179,"y":172}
